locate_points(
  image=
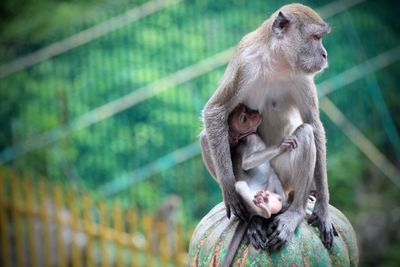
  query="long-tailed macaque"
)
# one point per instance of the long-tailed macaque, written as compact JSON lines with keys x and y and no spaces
{"x":256,"y":182}
{"x":272,"y":71}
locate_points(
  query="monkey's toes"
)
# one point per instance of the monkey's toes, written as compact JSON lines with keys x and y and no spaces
{"x":265,"y":195}
{"x":258,"y":200}
{"x":259,"y":193}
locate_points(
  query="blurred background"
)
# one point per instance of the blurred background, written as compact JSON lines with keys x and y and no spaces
{"x":100,"y":105}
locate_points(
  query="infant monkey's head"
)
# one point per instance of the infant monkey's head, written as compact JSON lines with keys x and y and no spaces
{"x":242,"y":122}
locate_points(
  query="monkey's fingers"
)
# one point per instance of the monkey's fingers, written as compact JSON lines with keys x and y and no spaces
{"x":228,"y":211}
{"x":240,"y":211}
{"x":276,"y":244}
{"x":295,"y":142}
{"x":313,"y":219}
{"x":272,"y":227}
{"x":258,"y":194}
{"x":276,"y":241}
{"x":335,"y":233}
{"x":290,"y":143}
{"x":256,"y":233}
{"x":257,"y":200}
{"x":266,"y":195}
{"x":327,"y":231}
{"x":275,"y":233}
{"x":327,"y":237}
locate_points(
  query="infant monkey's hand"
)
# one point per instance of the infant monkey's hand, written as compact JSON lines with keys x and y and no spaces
{"x":288,"y":143}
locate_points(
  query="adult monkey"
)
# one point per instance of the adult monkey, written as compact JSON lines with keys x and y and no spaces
{"x":272,"y":70}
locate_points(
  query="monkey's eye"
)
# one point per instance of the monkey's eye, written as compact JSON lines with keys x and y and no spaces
{"x":316,"y":37}
{"x":243,"y":118}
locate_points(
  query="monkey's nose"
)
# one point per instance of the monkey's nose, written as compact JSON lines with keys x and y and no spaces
{"x":324,"y":55}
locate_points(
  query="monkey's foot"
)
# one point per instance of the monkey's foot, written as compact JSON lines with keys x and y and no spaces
{"x":262,"y":195}
{"x":257,"y":232}
{"x":326,"y":228}
{"x":281,"y":229}
{"x":261,"y":200}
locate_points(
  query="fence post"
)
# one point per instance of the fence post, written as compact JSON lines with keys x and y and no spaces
{"x":88,"y":226}
{"x":103,"y":234}
{"x":147,"y":228}
{"x":118,"y":225}
{"x":30,"y":207}
{"x":179,"y":260}
{"x":61,"y":226}
{"x":163,"y":242}
{"x":75,"y":220}
{"x":44,"y":218}
{"x":132,"y":230}
{"x":3,"y":221}
{"x":15,"y":209}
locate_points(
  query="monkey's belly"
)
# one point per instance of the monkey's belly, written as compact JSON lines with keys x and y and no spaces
{"x":258,"y":177}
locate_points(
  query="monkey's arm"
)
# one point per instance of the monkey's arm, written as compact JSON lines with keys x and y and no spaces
{"x":320,"y":212}
{"x":215,"y":116}
{"x":251,"y":159}
{"x":206,"y":154}
{"x":257,"y":153}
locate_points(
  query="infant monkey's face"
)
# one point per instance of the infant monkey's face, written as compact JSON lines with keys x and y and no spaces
{"x":244,"y":120}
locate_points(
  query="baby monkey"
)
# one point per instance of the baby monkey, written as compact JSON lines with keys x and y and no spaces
{"x":256,"y":181}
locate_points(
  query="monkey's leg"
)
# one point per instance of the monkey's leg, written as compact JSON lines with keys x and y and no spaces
{"x":247,"y":195}
{"x":296,"y":169}
{"x":206,"y":154}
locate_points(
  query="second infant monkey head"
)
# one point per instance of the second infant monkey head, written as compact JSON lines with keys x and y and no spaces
{"x":242,"y":122}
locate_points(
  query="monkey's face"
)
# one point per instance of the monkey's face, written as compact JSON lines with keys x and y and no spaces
{"x":244,"y":120}
{"x":312,"y":55}
{"x":299,"y":39}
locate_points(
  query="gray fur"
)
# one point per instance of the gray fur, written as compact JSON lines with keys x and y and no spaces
{"x":275,"y":75}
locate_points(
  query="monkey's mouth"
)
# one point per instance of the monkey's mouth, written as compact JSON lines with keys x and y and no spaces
{"x":319,"y":67}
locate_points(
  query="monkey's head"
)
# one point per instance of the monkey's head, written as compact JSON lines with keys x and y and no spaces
{"x":242,"y":122}
{"x":297,"y":33}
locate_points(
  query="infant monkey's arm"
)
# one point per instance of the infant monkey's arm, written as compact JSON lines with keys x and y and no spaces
{"x":254,"y":156}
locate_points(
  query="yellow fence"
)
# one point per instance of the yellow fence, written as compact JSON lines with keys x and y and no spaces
{"x":42,"y":225}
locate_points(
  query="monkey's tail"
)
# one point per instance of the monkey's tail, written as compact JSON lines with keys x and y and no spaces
{"x":234,"y":244}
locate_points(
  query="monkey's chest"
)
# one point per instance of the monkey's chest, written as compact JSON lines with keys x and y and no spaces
{"x":279,"y":120}
{"x":274,"y":100}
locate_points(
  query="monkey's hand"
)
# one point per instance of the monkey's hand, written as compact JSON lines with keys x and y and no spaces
{"x":326,"y":228}
{"x":281,"y":229}
{"x":288,"y":144}
{"x":257,"y":232}
{"x":233,"y":203}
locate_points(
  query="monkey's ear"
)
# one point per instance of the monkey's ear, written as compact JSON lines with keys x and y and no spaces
{"x":281,"y":24}
{"x":328,"y":28}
